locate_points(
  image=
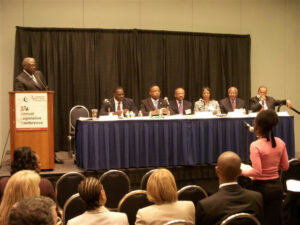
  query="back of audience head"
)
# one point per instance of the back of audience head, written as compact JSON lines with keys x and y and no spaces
{"x":161,"y":187}
{"x":264,"y":123}
{"x":24,"y":159}
{"x":33,"y":211}
{"x":228,"y":167}
{"x":92,"y":193}
{"x":22,"y":184}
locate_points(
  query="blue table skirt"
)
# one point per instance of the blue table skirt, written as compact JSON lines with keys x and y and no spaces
{"x":155,"y":143}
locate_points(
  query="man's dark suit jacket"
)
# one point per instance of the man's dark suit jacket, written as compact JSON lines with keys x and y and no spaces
{"x":226,"y":106}
{"x":174,"y":107}
{"x":24,"y":83}
{"x":127,"y":104}
{"x":228,"y":200}
{"x":147,"y":105}
{"x":271,"y":103}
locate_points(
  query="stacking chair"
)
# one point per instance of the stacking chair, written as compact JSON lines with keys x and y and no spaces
{"x":76,"y":112}
{"x":143,"y":185}
{"x":73,"y":207}
{"x":116,"y":184}
{"x":241,"y":219}
{"x":178,"y":222}
{"x":132,"y":202}
{"x":192,"y":193}
{"x":66,"y":186}
{"x":292,"y":173}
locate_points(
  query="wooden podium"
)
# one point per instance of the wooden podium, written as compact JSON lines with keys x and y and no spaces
{"x":36,"y":128}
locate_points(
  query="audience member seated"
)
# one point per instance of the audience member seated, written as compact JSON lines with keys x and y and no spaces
{"x":34,"y":211}
{"x":232,"y":102}
{"x":206,"y":103}
{"x":268,"y":155}
{"x":25,"y":159}
{"x":22,"y":184}
{"x":162,"y":191}
{"x":93,"y":194}
{"x":231,"y":198}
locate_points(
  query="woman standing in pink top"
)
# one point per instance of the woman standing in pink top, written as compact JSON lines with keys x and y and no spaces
{"x":268,"y":155}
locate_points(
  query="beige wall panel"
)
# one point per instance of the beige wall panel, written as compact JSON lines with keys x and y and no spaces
{"x":111,"y":14}
{"x":11,"y":14}
{"x":293,"y":63}
{"x":217,"y":16}
{"x":266,"y":23}
{"x":174,"y":15}
{"x":53,"y":13}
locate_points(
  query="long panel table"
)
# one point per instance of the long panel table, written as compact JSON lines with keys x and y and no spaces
{"x":163,"y":142}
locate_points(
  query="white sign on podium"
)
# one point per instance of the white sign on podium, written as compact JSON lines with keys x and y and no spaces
{"x":31,"y":111}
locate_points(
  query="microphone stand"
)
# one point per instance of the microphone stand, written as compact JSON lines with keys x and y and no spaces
{"x":295,"y":110}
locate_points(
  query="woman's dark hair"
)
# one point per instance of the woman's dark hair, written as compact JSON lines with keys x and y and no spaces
{"x":265,"y":121}
{"x":89,"y":190}
{"x":23,"y":159}
{"x":207,"y":88}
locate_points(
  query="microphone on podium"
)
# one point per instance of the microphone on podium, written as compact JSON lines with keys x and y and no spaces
{"x":251,"y":129}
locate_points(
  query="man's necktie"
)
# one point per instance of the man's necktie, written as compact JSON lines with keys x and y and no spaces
{"x":119,"y":106}
{"x":233,"y":104}
{"x":180,"y":108}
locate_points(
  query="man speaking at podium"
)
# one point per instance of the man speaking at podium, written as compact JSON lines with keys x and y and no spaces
{"x":31,"y":80}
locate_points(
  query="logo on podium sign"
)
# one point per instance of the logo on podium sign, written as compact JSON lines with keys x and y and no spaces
{"x":31,"y":111}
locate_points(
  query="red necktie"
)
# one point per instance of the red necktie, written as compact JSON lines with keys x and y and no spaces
{"x":119,"y":106}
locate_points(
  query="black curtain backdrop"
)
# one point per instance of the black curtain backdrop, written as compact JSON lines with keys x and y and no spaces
{"x":83,"y":66}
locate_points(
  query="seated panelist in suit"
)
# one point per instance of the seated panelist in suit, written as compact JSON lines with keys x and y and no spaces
{"x":162,"y":191}
{"x":30,"y":79}
{"x":232,"y":102}
{"x":92,"y":193}
{"x":179,"y":105}
{"x":153,"y":104}
{"x":263,"y":102}
{"x":231,"y":197}
{"x":118,"y":104}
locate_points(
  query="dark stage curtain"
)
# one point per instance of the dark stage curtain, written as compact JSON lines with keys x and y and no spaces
{"x":83,"y":66}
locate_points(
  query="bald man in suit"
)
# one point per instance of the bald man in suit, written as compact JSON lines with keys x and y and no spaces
{"x":231,"y":197}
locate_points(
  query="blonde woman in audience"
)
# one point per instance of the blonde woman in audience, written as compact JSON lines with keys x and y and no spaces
{"x":162,"y":190}
{"x":22,"y":184}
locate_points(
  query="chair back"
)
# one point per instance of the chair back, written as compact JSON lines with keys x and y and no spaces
{"x":143,"y":185}
{"x":192,"y":193}
{"x":292,"y":173}
{"x":66,"y":186}
{"x":74,"y":206}
{"x":178,"y":222}
{"x":132,"y":202}
{"x":241,"y":219}
{"x":76,"y":112}
{"x":116,"y":184}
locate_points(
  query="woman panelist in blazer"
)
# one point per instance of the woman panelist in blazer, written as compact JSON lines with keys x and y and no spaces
{"x":162,"y":190}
